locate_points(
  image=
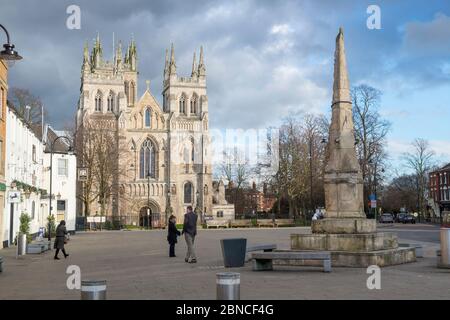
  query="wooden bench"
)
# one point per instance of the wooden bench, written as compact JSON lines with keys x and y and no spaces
{"x":265,"y":223}
{"x":263,"y":261}
{"x":241,"y":224}
{"x":217,"y":224}
{"x":284,"y":222}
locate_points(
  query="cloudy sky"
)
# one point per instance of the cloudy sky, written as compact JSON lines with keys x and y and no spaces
{"x":264,"y":59}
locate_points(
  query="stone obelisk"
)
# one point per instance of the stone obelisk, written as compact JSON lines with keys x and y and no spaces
{"x":343,"y":180}
{"x":345,"y":232}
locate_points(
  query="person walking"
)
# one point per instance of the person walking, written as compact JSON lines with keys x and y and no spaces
{"x":172,"y":235}
{"x":190,"y":231}
{"x":60,"y":239}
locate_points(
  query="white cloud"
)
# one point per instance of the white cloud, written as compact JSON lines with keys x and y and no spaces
{"x":282,"y":29}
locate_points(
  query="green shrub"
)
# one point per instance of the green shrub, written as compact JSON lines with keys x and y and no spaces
{"x":51,"y":225}
{"x":24,"y":228}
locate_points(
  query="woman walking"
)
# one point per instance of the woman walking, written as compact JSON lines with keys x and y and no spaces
{"x":60,"y":239}
{"x":172,"y":235}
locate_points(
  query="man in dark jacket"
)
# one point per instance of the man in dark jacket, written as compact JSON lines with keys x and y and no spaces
{"x":190,"y":231}
{"x":60,"y":239}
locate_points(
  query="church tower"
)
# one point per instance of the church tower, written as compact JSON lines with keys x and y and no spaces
{"x":185,"y":100}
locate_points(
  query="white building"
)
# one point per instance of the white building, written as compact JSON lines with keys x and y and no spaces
{"x":24,"y":173}
{"x":64,"y":170}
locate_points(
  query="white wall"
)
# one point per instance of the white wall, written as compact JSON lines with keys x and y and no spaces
{"x":63,"y":187}
{"x":22,"y":166}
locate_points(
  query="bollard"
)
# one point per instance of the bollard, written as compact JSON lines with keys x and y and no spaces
{"x":445,"y":248}
{"x":93,"y":290}
{"x":228,"y":286}
{"x":1,"y":264}
{"x":21,"y":244}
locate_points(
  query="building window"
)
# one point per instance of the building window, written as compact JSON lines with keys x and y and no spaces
{"x":63,"y":167}
{"x":219,"y":214}
{"x":34,"y":153}
{"x":147,"y":160}
{"x":194,"y":104}
{"x":132,"y":92}
{"x":111,"y":102}
{"x":188,"y":192}
{"x":182,"y":104}
{"x":98,"y":102}
{"x":33,"y":209}
{"x":148,"y":118}
{"x":60,"y":210}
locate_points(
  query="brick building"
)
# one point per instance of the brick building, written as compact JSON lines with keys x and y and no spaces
{"x":440,"y":188}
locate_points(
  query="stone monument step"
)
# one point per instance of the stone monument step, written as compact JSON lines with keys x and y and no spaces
{"x":359,"y":242}
{"x":381,"y":258}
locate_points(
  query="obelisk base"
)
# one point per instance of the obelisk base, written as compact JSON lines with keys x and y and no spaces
{"x":344,"y":225}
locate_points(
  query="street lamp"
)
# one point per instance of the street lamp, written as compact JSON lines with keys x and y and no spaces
{"x":69,"y":151}
{"x":148,"y":199}
{"x":9,"y":53}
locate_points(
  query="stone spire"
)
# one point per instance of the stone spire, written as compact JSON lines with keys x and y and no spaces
{"x":201,"y":64}
{"x":342,"y":172}
{"x":86,"y":64}
{"x":194,"y":73}
{"x":341,"y":90}
{"x":132,"y":54}
{"x":172,"y":64}
{"x":118,"y":57}
{"x":97,"y":53}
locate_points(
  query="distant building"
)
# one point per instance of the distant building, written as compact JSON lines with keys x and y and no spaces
{"x":440,"y":189}
{"x":64,"y":176}
{"x":248,"y":201}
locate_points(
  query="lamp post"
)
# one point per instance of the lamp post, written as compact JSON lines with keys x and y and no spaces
{"x":69,"y":151}
{"x":148,"y":200}
{"x":8,"y":53}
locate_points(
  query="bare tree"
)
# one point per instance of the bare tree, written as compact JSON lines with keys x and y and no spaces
{"x":299,"y":179}
{"x":28,"y":106}
{"x":370,"y":132}
{"x":420,"y":161}
{"x":98,"y":150}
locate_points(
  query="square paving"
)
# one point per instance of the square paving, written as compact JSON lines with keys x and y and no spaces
{"x":136,"y":266}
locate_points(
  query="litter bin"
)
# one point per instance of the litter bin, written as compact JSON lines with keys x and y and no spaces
{"x":233,"y":252}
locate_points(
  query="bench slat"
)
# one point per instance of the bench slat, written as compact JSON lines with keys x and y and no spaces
{"x":262,"y":247}
{"x":292,"y":255}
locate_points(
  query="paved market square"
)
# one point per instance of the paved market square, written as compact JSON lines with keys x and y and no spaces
{"x":136,"y":266}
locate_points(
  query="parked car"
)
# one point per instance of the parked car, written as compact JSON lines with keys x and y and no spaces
{"x":400,"y":217}
{"x":386,"y":218}
{"x":409,"y":218}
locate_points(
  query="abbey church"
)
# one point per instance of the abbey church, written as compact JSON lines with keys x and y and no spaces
{"x":163,"y":163}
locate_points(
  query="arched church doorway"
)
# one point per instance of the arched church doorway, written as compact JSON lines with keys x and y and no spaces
{"x":145,"y":217}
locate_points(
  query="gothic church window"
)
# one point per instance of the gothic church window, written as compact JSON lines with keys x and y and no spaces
{"x":148,"y":118}
{"x":111,"y":102}
{"x":147,"y":160}
{"x":98,"y":101}
{"x":194,"y":104}
{"x":183,"y":104}
{"x":132,"y":92}
{"x":188,"y":192}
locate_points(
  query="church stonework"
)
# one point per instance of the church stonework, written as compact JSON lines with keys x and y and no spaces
{"x":164,"y":161}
